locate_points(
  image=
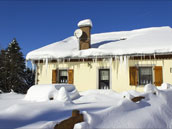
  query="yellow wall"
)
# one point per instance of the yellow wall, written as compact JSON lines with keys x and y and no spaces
{"x":86,"y":73}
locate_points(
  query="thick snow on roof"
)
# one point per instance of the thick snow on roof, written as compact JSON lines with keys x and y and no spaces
{"x":86,"y":22}
{"x":141,"y":41}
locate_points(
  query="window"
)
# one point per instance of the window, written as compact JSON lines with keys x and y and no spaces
{"x":63,"y":76}
{"x":104,"y":79}
{"x":145,"y":75}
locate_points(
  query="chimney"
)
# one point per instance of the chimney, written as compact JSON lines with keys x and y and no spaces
{"x":85,"y":39}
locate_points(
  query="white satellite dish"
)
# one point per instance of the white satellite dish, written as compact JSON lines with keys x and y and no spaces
{"x":78,"y":33}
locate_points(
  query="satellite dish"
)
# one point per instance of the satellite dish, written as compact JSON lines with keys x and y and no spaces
{"x":78,"y":33}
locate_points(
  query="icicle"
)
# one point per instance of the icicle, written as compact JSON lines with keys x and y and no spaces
{"x":32,"y":66}
{"x":110,"y":61}
{"x":58,"y":60}
{"x":125,"y":61}
{"x":116,"y":58}
{"x":121,"y":60}
{"x":46,"y":64}
{"x":38,"y":63}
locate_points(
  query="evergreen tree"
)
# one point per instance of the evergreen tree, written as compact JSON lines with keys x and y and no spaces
{"x":3,"y":72}
{"x":29,"y":77}
{"x":14,"y":76}
{"x":15,"y":66}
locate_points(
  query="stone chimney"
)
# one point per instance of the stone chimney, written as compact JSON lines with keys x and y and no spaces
{"x":85,"y":39}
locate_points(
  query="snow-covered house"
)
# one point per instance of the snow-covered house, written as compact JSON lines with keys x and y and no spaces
{"x":115,"y":60}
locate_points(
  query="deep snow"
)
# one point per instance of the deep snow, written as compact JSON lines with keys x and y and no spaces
{"x":154,"y":40}
{"x":44,"y":92}
{"x":101,"y":109}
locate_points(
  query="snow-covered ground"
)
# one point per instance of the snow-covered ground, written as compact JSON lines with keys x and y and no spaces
{"x":101,"y":109}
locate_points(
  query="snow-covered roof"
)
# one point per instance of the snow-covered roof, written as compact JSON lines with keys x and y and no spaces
{"x":141,"y":41}
{"x":86,"y":22}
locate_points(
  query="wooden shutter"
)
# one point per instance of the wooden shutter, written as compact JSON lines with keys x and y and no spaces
{"x":158,"y":75}
{"x":133,"y":76}
{"x":70,"y":76}
{"x":54,"y":76}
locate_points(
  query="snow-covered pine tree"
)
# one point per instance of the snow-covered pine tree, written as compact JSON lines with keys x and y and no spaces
{"x":29,"y":77}
{"x":15,"y":66}
{"x":3,"y":72}
{"x":14,"y":76}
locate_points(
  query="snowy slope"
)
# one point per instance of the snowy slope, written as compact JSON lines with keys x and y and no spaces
{"x":141,"y":41}
{"x":101,"y":109}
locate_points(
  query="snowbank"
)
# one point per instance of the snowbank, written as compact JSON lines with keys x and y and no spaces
{"x":63,"y":95}
{"x":154,"y":112}
{"x":101,"y":109}
{"x":53,"y":91}
{"x":82,"y":125}
{"x":149,"y":88}
{"x":165,"y":86}
{"x":127,"y":95}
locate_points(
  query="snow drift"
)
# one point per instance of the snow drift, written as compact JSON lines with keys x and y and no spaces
{"x":59,"y":92}
{"x":152,"y":112}
{"x":101,"y":109}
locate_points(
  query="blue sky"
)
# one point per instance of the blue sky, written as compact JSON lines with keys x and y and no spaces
{"x":37,"y":23}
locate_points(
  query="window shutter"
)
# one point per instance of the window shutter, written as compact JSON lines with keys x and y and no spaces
{"x":133,"y":76}
{"x":54,"y":76}
{"x":70,"y":76}
{"x":158,"y":75}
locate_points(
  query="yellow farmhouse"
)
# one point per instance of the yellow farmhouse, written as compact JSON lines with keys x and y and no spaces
{"x":120,"y":61}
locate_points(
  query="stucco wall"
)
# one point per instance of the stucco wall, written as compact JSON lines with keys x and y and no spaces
{"x":86,"y":73}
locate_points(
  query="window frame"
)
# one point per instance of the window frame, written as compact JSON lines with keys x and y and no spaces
{"x":140,"y":77}
{"x":59,"y":71}
{"x":99,"y":77}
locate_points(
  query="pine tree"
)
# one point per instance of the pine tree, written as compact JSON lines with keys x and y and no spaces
{"x":14,"y":76}
{"x":3,"y":72}
{"x":29,"y":77}
{"x":15,"y":67}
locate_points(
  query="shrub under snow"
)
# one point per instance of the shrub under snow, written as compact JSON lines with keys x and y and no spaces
{"x":165,"y":86}
{"x":149,"y":88}
{"x":63,"y":95}
{"x":58,"y":92}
